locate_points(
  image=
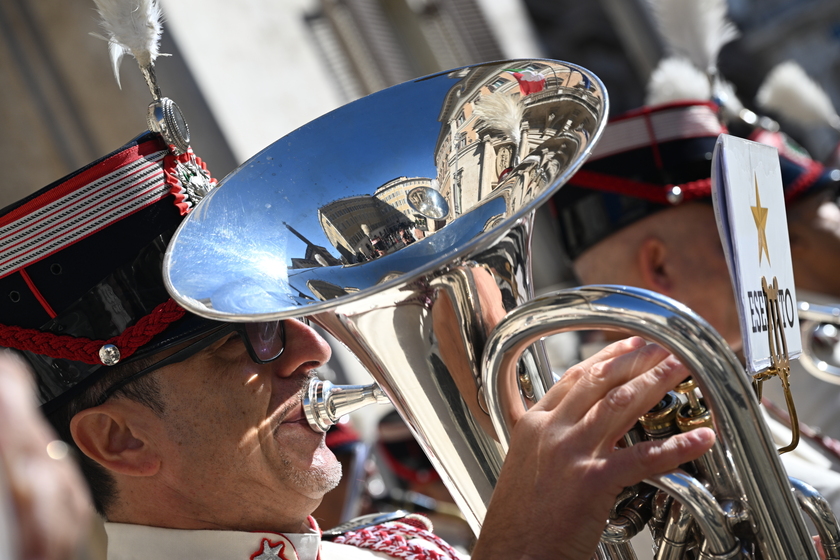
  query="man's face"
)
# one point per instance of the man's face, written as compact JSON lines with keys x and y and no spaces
{"x":233,"y":439}
{"x":814,"y":225}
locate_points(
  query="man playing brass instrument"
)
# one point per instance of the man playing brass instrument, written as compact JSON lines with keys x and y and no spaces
{"x":199,"y":446}
{"x":191,"y":433}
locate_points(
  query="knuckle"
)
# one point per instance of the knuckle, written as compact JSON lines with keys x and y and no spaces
{"x":530,"y":424}
{"x":619,"y":397}
{"x":660,"y":374}
{"x":656,"y":352}
{"x":599,"y":371}
{"x":574,"y":372}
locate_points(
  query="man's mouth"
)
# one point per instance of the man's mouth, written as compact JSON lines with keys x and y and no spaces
{"x":291,"y":412}
{"x":295,"y":415}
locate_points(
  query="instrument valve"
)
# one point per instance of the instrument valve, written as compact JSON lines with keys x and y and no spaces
{"x":694,"y":413}
{"x":687,"y":388}
{"x":660,"y":507}
{"x":660,"y":421}
{"x":737,"y":516}
{"x":525,"y":383}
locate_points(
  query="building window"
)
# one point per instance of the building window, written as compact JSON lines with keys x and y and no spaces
{"x":497,"y":84}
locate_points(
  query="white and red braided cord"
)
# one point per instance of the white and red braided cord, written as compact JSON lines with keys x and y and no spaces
{"x":395,"y":540}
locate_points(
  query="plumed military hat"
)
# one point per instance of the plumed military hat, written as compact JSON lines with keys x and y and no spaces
{"x":80,"y":266}
{"x":81,"y":288}
{"x":657,"y":157}
{"x":647,"y":160}
{"x":660,"y":155}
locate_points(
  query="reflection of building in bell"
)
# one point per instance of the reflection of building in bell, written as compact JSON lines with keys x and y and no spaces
{"x":457,"y":138}
{"x":315,"y":255}
{"x":324,"y":290}
{"x":502,"y":134}
{"x":396,"y":193}
{"x":364,"y":227}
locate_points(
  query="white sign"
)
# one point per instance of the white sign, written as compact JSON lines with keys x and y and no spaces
{"x":749,"y":206}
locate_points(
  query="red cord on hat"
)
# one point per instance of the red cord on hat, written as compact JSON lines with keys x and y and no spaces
{"x":654,"y":143}
{"x":648,"y":191}
{"x":85,"y":350}
{"x":804,"y":182}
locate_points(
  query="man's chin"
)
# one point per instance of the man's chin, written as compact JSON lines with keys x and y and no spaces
{"x":315,"y":475}
{"x":321,"y":480}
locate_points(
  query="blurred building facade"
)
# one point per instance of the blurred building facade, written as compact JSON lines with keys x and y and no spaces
{"x":244,"y":73}
{"x":248,"y":72}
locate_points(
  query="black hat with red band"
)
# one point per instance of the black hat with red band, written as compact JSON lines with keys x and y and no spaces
{"x":80,"y":266}
{"x":653,"y":158}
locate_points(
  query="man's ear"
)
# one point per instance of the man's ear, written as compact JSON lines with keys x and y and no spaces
{"x":110,"y":434}
{"x":652,"y":260}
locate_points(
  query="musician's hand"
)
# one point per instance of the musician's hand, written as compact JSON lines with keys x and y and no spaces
{"x":49,"y":497}
{"x":563,"y":471}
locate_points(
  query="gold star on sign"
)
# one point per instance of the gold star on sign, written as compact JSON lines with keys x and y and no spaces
{"x":760,"y":217}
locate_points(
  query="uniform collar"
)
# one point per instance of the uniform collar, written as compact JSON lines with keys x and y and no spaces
{"x":140,"y":542}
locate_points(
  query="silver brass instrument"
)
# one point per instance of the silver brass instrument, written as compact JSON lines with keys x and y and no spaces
{"x":401,"y":224}
{"x":732,"y":497}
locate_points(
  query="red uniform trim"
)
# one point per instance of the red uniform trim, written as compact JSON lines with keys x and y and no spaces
{"x":37,"y":293}
{"x":271,"y":544}
{"x":106,"y":166}
{"x":649,"y":191}
{"x":175,"y":187}
{"x":85,"y":350}
{"x":394,"y":539}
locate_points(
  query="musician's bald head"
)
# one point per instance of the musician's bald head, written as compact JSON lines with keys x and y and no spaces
{"x":675,"y":252}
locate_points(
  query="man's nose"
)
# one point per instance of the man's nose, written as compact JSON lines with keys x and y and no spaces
{"x":305,"y":349}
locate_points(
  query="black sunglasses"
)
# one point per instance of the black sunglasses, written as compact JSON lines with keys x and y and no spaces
{"x":265,"y":343}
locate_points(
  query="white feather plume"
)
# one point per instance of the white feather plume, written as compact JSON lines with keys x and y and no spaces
{"x":134,"y":27}
{"x":676,"y":79}
{"x":694,"y":29}
{"x":730,"y":103}
{"x":502,"y":113}
{"x":790,"y":92}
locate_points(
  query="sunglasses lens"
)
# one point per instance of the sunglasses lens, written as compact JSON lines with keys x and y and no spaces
{"x":267,"y":339}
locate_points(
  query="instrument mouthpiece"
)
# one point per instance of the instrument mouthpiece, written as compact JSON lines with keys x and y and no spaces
{"x":324,"y":403}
